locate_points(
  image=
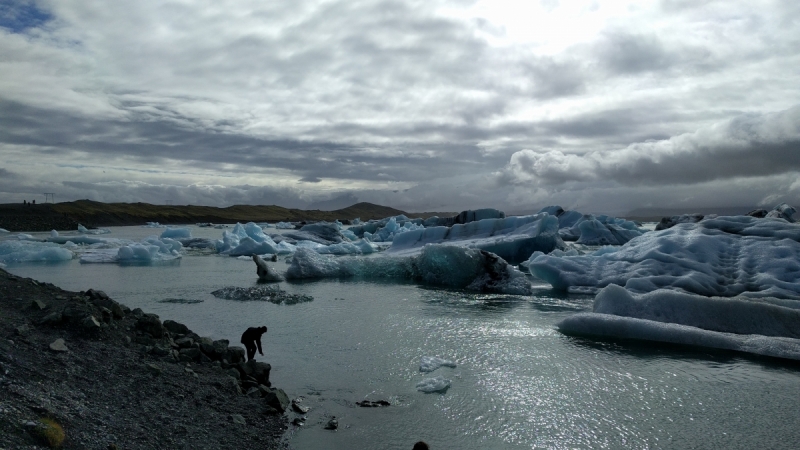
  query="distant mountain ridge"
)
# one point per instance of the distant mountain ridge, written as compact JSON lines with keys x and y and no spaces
{"x":655,"y":214}
{"x":61,"y":216}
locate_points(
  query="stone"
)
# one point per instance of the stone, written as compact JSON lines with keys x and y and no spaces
{"x":90,"y":323}
{"x":159,"y":350}
{"x":23,"y":330}
{"x":153,"y":369}
{"x":234,"y":354}
{"x":191,"y":353}
{"x":59,"y":346}
{"x":150,"y":324}
{"x":38,"y":305}
{"x":176,"y":327}
{"x":277,"y":399}
{"x":220,"y":348}
{"x":237,"y":419}
{"x":234,"y":373}
{"x":76,"y":312}
{"x":184,"y":342}
{"x":53,"y":318}
{"x":254,"y":392}
{"x":297,"y":407}
{"x":258,"y":370}
{"x":332,"y":424}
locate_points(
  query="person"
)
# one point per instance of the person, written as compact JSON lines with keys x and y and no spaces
{"x":252,"y":338}
{"x":421,"y":445}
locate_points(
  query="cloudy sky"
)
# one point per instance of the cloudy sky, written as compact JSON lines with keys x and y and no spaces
{"x":434,"y":105}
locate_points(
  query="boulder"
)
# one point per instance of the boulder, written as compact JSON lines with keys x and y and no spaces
{"x":332,"y":424}
{"x":184,"y":342}
{"x":234,"y":355}
{"x":99,"y":298}
{"x":176,"y":327}
{"x":192,"y":353}
{"x":258,"y":370}
{"x":150,"y":324}
{"x":277,"y":399}
{"x":90,"y":323}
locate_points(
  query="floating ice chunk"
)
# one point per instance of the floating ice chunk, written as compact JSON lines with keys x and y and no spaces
{"x":177,"y":232}
{"x":85,"y":240}
{"x":248,"y":240}
{"x":431,"y":363}
{"x":25,"y":237}
{"x":154,"y":225}
{"x":723,"y":256}
{"x":349,"y":235}
{"x":347,"y":248}
{"x":437,"y":384}
{"x":3,"y":230}
{"x":266,"y":273}
{"x":248,"y":246}
{"x":607,"y":325}
{"x":53,"y":233}
{"x":320,"y":232}
{"x":513,"y":238}
{"x":82,"y":229}
{"x":29,"y":251}
{"x":284,"y":226}
{"x":441,"y":265}
{"x":150,"y":250}
{"x":769,"y":317}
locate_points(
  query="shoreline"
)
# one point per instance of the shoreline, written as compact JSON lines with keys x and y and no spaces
{"x":123,"y":379}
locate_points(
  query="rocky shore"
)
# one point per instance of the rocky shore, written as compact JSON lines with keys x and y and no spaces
{"x":81,"y":371}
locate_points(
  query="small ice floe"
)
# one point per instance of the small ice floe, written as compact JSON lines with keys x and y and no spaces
{"x":431,"y":363}
{"x":3,"y":230}
{"x":155,"y":225}
{"x":29,"y":251}
{"x":437,"y":384}
{"x":177,"y":232}
{"x":83,"y":230}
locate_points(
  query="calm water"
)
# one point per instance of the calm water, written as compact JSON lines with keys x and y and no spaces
{"x":518,"y":383}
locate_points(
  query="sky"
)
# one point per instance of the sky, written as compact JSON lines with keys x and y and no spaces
{"x":599,"y":106}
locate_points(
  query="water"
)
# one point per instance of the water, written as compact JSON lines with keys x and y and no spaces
{"x":518,"y":383}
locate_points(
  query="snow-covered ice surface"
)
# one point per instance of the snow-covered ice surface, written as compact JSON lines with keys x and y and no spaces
{"x":513,"y":238}
{"x":436,"y":384}
{"x":589,"y":229}
{"x":724,"y":282}
{"x":439,"y":265}
{"x":431,"y":363}
{"x":723,"y":256}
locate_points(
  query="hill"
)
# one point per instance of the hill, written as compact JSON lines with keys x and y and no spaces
{"x":67,"y":215}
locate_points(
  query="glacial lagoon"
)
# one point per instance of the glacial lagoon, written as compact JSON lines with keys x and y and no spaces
{"x":517,"y":382}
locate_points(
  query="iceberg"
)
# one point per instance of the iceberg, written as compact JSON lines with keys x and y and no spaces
{"x":438,"y":384}
{"x":431,"y":363}
{"x":439,"y":265}
{"x":769,"y":327}
{"x":3,"y":230}
{"x":321,"y":232}
{"x":154,"y":225}
{"x":30,"y":251}
{"x":248,"y":240}
{"x":512,"y":238}
{"x":588,"y":229}
{"x":151,"y":250}
{"x":264,"y":272}
{"x":178,"y":232}
{"x":722,"y":256}
{"x":284,"y":226}
{"x":360,"y":247}
{"x":83,"y":230}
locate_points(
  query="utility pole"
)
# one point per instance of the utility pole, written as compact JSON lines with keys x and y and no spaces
{"x":51,"y":196}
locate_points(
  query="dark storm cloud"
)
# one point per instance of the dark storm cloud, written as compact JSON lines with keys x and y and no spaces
{"x":157,"y":142}
{"x":749,"y":145}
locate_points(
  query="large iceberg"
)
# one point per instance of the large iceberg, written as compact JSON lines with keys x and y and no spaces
{"x":440,"y":265}
{"x":29,"y":251}
{"x":722,"y":256}
{"x":764,"y":326}
{"x":512,"y":238}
